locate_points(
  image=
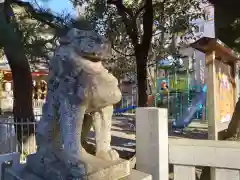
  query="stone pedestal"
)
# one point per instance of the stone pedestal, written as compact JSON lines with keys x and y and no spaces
{"x":23,"y":174}
{"x":97,"y":169}
{"x":49,"y":169}
{"x":152,"y":145}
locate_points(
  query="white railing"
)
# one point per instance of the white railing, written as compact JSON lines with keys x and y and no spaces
{"x":155,"y":151}
{"x":222,"y":156}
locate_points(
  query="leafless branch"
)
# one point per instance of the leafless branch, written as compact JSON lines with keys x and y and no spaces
{"x":37,"y":4}
{"x":119,"y":4}
{"x":144,"y":6}
{"x":156,"y":34}
{"x":140,"y":10}
{"x":128,"y":19}
{"x":44,"y":17}
{"x":120,"y":52}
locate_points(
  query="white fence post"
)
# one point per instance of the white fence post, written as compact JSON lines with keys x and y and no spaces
{"x":152,"y":142}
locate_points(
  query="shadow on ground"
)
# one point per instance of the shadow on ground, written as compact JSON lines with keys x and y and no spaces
{"x":123,"y":140}
{"x":125,"y":147}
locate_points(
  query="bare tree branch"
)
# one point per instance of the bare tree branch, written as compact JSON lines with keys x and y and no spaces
{"x":129,"y":22}
{"x":119,"y":4}
{"x":120,"y":52}
{"x":143,"y":7}
{"x":43,"y":17}
{"x":140,"y":10}
{"x":156,"y":34}
{"x":37,"y":4}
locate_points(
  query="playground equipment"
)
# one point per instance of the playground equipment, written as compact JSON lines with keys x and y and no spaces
{"x":170,"y":91}
{"x":219,"y":93}
{"x":164,"y":87}
{"x":123,"y":110}
{"x":187,"y":117}
{"x":222,"y":93}
{"x":175,"y":91}
{"x":128,"y":104}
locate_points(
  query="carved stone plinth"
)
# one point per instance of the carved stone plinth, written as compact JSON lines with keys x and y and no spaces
{"x":22,"y":173}
{"x":37,"y":168}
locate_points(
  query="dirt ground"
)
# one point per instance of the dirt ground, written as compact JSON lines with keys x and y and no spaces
{"x":123,"y":139}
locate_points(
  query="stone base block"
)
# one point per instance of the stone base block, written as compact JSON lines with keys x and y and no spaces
{"x":22,"y":173}
{"x":137,"y":175}
{"x":48,"y":169}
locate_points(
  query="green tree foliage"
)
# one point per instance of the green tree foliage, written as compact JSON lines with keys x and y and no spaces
{"x":38,"y":29}
{"x":21,"y":25}
{"x":227,"y":18}
{"x":141,"y":31}
{"x":227,"y":27}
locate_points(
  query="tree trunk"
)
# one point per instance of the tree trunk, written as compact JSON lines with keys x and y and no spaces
{"x":141,"y":61}
{"x":22,"y":84}
{"x":234,"y":125}
{"x":22,"y":92}
{"x":22,"y":88}
{"x":22,"y":79}
{"x":221,"y":27}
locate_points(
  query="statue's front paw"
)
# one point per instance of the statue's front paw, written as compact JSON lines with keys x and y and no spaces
{"x":110,"y":155}
{"x":77,"y":171}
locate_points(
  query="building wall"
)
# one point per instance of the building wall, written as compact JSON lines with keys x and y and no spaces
{"x":196,"y":59}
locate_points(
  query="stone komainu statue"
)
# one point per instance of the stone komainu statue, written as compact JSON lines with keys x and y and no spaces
{"x":78,"y":84}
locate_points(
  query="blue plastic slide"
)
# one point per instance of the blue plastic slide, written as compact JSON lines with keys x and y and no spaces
{"x":123,"y":110}
{"x":188,"y":114}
